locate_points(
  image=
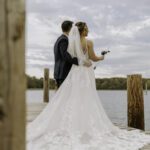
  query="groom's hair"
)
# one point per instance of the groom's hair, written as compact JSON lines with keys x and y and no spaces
{"x":66,"y":26}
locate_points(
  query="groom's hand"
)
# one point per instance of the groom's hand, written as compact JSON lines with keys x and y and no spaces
{"x":87,"y":63}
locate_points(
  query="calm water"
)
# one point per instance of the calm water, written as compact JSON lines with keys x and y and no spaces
{"x":114,"y":102}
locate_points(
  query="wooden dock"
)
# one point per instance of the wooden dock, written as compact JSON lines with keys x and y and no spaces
{"x":34,"y":109}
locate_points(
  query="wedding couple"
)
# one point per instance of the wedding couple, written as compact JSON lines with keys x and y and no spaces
{"x":75,"y":119}
{"x":63,"y":48}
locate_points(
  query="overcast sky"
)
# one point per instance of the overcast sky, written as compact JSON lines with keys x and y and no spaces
{"x":122,"y":26}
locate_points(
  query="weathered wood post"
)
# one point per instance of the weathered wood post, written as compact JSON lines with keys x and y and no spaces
{"x":146,"y":88}
{"x":46,"y":85}
{"x":135,"y":101}
{"x":12,"y":75}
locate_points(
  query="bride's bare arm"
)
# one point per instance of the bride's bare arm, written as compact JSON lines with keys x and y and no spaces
{"x":91,"y":52}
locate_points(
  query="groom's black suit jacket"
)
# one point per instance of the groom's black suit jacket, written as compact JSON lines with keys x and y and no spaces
{"x":63,"y":60}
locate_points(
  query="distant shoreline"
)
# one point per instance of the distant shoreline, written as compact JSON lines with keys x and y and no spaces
{"x":36,"y":89}
{"x":115,"y":83}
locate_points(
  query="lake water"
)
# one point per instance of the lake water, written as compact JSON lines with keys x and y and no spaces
{"x":114,"y":103}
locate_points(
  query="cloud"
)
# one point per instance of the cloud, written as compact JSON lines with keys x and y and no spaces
{"x":121,"y":26}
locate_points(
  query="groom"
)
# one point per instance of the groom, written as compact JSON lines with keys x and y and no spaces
{"x":63,"y":60}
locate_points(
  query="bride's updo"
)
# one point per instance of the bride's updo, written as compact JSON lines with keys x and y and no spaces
{"x":81,"y":26}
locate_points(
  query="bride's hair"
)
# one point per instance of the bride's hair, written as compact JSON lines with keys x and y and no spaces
{"x":81,"y":26}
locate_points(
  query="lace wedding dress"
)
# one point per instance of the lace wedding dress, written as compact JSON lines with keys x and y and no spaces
{"x":75,"y":119}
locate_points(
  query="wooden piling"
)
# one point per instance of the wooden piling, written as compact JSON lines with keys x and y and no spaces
{"x":12,"y":75}
{"x":146,"y":88}
{"x":46,"y":85}
{"x":135,"y":102}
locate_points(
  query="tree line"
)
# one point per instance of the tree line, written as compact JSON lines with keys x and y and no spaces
{"x":116,"y":83}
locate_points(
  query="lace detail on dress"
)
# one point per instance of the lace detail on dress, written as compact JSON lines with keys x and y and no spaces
{"x":63,"y":140}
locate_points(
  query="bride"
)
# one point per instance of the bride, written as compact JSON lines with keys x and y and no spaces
{"x":75,"y":118}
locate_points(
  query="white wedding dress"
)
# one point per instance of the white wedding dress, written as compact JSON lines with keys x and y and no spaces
{"x":75,"y":119}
